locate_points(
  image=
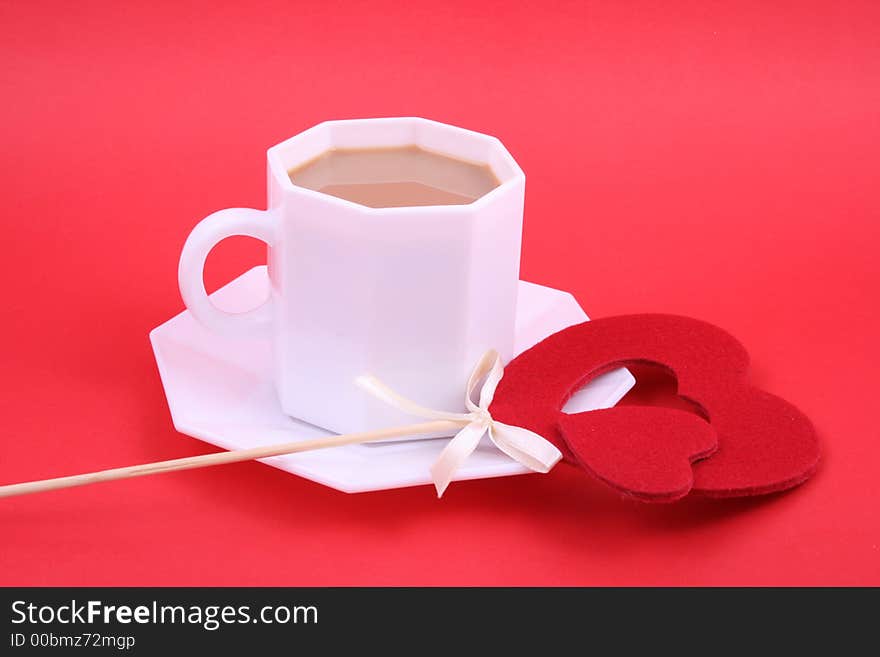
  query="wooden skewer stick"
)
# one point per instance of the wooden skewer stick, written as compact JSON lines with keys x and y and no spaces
{"x":235,"y":456}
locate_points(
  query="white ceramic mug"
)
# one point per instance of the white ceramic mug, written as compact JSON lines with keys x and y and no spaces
{"x":411,"y":295}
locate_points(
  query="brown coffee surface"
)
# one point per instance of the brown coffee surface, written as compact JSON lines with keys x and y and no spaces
{"x":395,"y":177}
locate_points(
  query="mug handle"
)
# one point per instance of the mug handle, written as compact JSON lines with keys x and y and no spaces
{"x":209,"y":232}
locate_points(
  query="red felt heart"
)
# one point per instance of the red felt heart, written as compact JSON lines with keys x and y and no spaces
{"x":646,"y":452}
{"x":764,"y":443}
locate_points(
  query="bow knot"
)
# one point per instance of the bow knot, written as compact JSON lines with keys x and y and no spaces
{"x":524,"y":446}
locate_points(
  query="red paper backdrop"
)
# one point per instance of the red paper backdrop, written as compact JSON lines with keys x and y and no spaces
{"x":715,"y":159}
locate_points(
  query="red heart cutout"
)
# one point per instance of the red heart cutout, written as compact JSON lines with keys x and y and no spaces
{"x":764,"y":443}
{"x":642,"y":451}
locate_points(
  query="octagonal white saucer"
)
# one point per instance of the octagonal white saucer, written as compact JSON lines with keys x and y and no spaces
{"x":220,"y":390}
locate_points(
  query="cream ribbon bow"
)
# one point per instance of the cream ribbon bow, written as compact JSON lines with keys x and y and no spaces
{"x":524,"y":446}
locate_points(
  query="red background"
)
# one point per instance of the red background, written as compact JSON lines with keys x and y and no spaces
{"x":716,"y":159}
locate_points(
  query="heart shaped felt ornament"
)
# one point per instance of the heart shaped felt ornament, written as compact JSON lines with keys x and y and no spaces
{"x":744,"y":440}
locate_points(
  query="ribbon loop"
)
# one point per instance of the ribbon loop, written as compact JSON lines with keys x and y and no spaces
{"x":524,"y":446}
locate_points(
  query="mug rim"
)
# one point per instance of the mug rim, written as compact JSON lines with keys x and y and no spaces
{"x":280,"y":161}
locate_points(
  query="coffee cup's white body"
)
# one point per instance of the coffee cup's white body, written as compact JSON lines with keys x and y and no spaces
{"x":411,"y":295}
